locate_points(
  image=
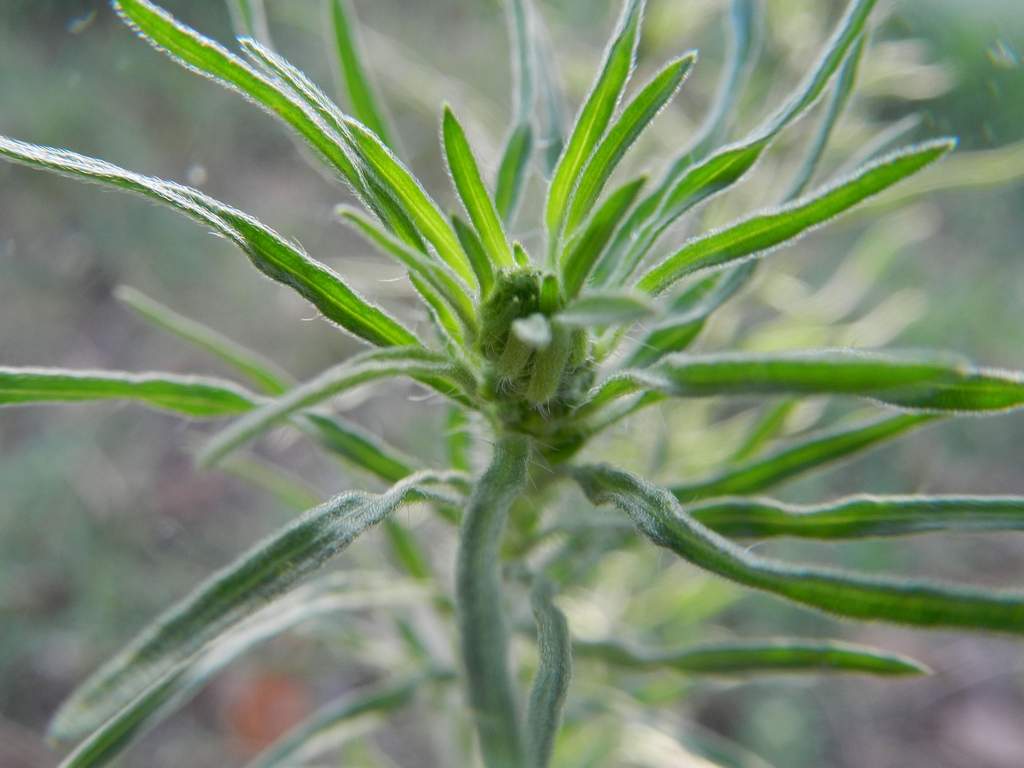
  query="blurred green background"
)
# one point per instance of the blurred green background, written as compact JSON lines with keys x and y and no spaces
{"x":104,"y":520}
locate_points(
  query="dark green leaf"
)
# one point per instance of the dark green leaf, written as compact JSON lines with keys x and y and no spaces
{"x":756,"y":657}
{"x":658,"y":515}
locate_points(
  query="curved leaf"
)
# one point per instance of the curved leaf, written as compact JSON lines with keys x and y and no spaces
{"x":198,"y":396}
{"x":231,"y":595}
{"x":658,"y":515}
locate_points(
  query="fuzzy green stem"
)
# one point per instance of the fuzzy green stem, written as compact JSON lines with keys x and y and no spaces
{"x":482,"y":626}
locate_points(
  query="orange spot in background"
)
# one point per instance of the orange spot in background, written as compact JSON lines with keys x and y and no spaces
{"x":262,"y":707}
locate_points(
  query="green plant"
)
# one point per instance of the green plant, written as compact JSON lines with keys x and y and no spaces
{"x":534,"y":352}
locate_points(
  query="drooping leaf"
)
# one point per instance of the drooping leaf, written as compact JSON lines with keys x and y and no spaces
{"x":318,"y":733}
{"x":594,"y":116}
{"x":413,"y":362}
{"x":551,"y":681}
{"x":857,"y":517}
{"x":805,"y":455}
{"x":228,"y":597}
{"x":325,"y":596}
{"x":358,"y":87}
{"x":481,"y":618}
{"x":755,"y":658}
{"x":268,"y":251}
{"x":635,"y":117}
{"x":584,"y":251}
{"x":658,"y":515}
{"x":762,"y":232}
{"x":474,"y":194}
{"x":253,"y":366}
{"x":198,"y":396}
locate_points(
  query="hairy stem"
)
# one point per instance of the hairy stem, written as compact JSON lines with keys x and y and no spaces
{"x":482,"y":626}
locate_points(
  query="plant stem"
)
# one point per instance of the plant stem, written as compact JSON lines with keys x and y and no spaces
{"x":482,"y":626}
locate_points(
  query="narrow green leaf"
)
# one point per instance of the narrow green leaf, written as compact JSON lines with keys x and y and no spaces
{"x":660,"y":517}
{"x":322,"y":597}
{"x":253,"y":366}
{"x":481,"y":619}
{"x":513,"y":171}
{"x":930,"y":384}
{"x":459,"y":442}
{"x":475,"y":252}
{"x":692,"y":180}
{"x":447,"y":324}
{"x":599,"y":309}
{"x":857,"y":517}
{"x":551,"y":681}
{"x":586,"y":249}
{"x":762,"y":232}
{"x":594,"y":116}
{"x":415,"y":201}
{"x":360,"y":448}
{"x":268,"y":251}
{"x":756,"y":657}
{"x":473,"y":192}
{"x":767,"y":428}
{"x":289,"y":489}
{"x":317,"y":734}
{"x":230,"y":596}
{"x":635,"y":118}
{"x":198,"y":396}
{"x":209,"y":58}
{"x":353,"y":72}
{"x":413,"y":362}
{"x":803,"y":456}
{"x":454,"y":291}
{"x":687,"y":315}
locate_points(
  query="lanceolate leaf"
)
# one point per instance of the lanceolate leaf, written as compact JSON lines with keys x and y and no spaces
{"x":584,"y":251}
{"x":259,"y":371}
{"x":317,"y":734}
{"x":200,"y":54}
{"x":658,"y":515}
{"x":763,"y":232}
{"x":857,"y":517}
{"x":688,"y":184}
{"x":481,"y":618}
{"x":198,"y":396}
{"x":362,"y":449}
{"x":473,"y":193}
{"x":594,"y":115}
{"x":805,"y":455}
{"x":756,"y":657}
{"x":326,"y":596}
{"x":269,"y":252}
{"x":512,"y":171}
{"x":353,"y":72}
{"x":636,"y":116}
{"x":412,"y":362}
{"x":920,"y":383}
{"x":231,"y":595}
{"x":478,"y":258}
{"x":551,"y":682}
